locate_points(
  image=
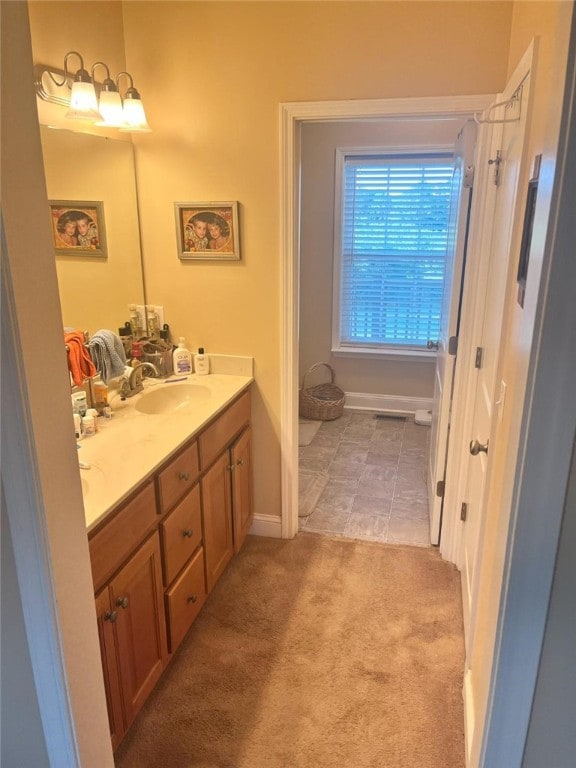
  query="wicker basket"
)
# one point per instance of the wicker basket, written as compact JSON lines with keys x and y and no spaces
{"x":323,"y":401}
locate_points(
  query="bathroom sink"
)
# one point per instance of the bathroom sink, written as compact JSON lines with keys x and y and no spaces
{"x":171,"y":398}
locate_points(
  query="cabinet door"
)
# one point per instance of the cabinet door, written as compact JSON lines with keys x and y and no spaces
{"x":136,"y":596}
{"x":241,"y":454}
{"x":217,"y":516}
{"x":106,"y":619}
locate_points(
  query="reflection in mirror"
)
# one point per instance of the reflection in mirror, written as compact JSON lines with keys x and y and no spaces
{"x":95,"y":290}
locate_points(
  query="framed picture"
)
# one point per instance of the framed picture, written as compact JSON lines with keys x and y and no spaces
{"x":207,"y":231}
{"x":78,"y":228}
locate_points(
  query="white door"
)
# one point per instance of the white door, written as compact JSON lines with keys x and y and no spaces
{"x":489,"y":393}
{"x":449,"y":319}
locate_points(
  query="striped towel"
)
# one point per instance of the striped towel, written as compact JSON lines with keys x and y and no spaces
{"x":108,"y":354}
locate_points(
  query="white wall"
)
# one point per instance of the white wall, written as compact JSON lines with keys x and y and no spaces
{"x":320,"y":140}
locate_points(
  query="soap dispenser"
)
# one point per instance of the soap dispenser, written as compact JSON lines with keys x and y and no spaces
{"x":182,"y":358}
{"x":201,"y":363}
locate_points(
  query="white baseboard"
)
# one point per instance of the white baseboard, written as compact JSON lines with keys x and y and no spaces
{"x":387,"y":403}
{"x":267,"y":525}
{"x":468,"y":714}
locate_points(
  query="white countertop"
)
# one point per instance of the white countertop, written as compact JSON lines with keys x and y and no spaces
{"x":131,"y":446}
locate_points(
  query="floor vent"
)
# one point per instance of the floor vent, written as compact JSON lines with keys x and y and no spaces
{"x":396,"y":416}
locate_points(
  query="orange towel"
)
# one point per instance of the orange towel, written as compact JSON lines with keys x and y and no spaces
{"x":79,"y":360}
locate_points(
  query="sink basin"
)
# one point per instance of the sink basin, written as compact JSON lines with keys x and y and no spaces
{"x":171,"y":398}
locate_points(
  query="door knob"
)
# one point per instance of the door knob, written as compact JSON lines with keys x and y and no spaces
{"x":432,"y":344}
{"x":476,"y":447}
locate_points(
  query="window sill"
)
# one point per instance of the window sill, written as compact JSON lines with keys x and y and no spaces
{"x":372,"y":353}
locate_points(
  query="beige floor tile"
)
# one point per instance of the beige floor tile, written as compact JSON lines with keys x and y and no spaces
{"x":409,"y":531}
{"x":371,"y":527}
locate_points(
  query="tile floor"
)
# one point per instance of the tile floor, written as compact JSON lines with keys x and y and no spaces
{"x":376,"y":486}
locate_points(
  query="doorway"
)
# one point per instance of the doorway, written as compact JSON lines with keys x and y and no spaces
{"x":293,"y":118}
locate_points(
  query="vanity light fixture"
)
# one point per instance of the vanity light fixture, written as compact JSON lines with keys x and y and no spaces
{"x":110,"y":103}
{"x":134,"y":115}
{"x":78,"y":92}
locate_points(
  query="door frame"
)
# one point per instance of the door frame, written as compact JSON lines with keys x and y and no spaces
{"x":292,"y":115}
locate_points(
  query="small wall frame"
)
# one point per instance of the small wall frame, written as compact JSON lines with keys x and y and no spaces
{"x":78,"y":228}
{"x":207,"y":231}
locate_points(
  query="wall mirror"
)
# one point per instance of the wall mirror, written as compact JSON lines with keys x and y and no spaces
{"x":95,"y":289}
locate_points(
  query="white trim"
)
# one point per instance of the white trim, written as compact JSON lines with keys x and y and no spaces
{"x":406,"y":354}
{"x":387,"y":403}
{"x":267,"y":525}
{"x":27,"y":520}
{"x":469,"y":718}
{"x":291,"y":116}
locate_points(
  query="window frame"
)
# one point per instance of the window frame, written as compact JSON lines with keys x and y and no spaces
{"x":389,"y":352}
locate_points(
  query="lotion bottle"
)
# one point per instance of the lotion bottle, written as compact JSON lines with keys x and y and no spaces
{"x":201,"y":363}
{"x":182,"y":358}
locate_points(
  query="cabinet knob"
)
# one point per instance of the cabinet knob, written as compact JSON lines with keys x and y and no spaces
{"x":193,"y":598}
{"x":184,"y":475}
{"x":122,"y":602}
{"x":240,"y":462}
{"x":230,"y":467}
{"x":188,"y":533}
{"x":110,"y":616}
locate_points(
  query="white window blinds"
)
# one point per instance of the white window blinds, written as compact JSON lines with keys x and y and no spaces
{"x":394,"y":232}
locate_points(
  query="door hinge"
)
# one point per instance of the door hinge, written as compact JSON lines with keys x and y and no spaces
{"x":479,"y":355}
{"x":452,"y":345}
{"x":468,"y":181}
{"x":440,"y":486}
{"x":463,"y":511}
{"x":496,"y":163}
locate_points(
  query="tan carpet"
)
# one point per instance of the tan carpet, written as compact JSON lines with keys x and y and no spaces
{"x":314,"y":653}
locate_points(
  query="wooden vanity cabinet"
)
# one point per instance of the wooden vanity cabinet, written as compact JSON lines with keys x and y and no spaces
{"x":132,"y":634}
{"x":156,"y":559}
{"x":217,"y":515}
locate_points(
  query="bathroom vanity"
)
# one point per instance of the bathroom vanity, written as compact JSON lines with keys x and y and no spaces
{"x":168,"y":502}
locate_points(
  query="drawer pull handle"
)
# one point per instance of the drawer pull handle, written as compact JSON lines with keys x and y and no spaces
{"x":188,"y":533}
{"x":240,"y":462}
{"x":184,"y":475}
{"x":122,"y":602}
{"x":110,"y":616}
{"x":193,"y":598}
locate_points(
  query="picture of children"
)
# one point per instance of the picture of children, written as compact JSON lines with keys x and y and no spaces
{"x":78,"y":228}
{"x":207,"y":231}
{"x":66,"y":230}
{"x":195,"y":237}
{"x":219,"y":234}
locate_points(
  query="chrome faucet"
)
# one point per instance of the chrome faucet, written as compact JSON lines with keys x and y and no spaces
{"x":134,"y":382}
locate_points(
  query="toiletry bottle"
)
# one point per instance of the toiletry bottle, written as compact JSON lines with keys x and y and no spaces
{"x":182,"y":358}
{"x":151,"y":321}
{"x":201,"y":363}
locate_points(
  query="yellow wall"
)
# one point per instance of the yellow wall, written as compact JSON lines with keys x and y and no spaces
{"x":550,"y":23}
{"x":212,"y":76}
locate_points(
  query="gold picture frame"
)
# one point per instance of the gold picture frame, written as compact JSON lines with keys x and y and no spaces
{"x":207,"y":231}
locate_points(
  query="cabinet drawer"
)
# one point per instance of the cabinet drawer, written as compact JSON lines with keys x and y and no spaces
{"x":178,"y":477}
{"x":185,"y":599}
{"x":118,"y":537}
{"x":220,"y":434}
{"x":181,"y":534}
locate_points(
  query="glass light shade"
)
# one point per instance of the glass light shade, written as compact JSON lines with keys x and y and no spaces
{"x":134,"y":116}
{"x":83,"y":103}
{"x":111,"y":110}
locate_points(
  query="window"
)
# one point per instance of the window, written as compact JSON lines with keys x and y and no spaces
{"x":392,"y":238}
